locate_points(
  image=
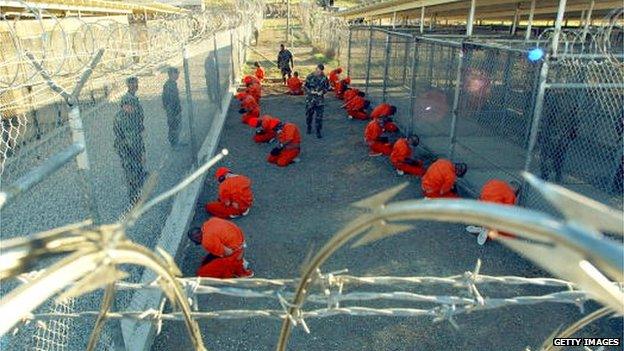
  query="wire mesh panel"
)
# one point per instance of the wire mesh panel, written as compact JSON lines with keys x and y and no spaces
{"x":358,"y":55}
{"x":495,"y":112}
{"x":377,"y":59}
{"x":434,"y":86}
{"x":579,"y":139}
{"x":397,"y":83}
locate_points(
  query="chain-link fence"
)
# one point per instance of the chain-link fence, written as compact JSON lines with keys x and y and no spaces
{"x":145,"y":110}
{"x":578,"y":143}
{"x":478,"y":101}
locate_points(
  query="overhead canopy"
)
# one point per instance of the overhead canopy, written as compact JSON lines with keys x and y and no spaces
{"x":503,"y":10}
{"x":89,"y":7}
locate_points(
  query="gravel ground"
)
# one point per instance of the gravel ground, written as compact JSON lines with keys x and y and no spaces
{"x":299,"y":208}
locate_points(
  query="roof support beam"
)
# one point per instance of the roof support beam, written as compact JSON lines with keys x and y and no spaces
{"x":471,"y":15}
{"x":514,"y":25}
{"x":527,"y":35}
{"x":588,"y":19}
{"x":558,"y":24}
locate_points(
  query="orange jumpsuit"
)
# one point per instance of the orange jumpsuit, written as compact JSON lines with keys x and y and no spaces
{"x":250,"y":79}
{"x":267,"y":133}
{"x":401,"y":153}
{"x":439,"y":180}
{"x":255,"y":90}
{"x":290,"y":137}
{"x":341,"y":87}
{"x":217,"y":234}
{"x":350,"y":94}
{"x":384,"y":110}
{"x":356,"y":108}
{"x":235,"y":197}
{"x":500,"y":192}
{"x":260,"y":73}
{"x":294,"y":86}
{"x":372,"y":133}
{"x":252,"y":107}
{"x":334,"y":77}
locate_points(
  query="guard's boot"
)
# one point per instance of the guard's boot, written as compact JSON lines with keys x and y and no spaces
{"x":318,"y":133}
{"x":309,"y":131}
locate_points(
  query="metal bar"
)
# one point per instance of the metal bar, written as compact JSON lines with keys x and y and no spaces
{"x":471,"y":14}
{"x":386,"y":68}
{"x":82,"y":160}
{"x":405,"y":58}
{"x":349,"y":52}
{"x":453,"y":134}
{"x":189,"y":104}
{"x":287,"y":20}
{"x":558,"y":24}
{"x":588,"y":19}
{"x":217,"y":74}
{"x":422,"y":20}
{"x":514,"y":25}
{"x":537,"y":112}
{"x":431,"y":61}
{"x":233,"y":75}
{"x":36,"y":175}
{"x":368,"y":62}
{"x":441,"y":41}
{"x":585,"y":85}
{"x":388,"y":31}
{"x":413,"y":87}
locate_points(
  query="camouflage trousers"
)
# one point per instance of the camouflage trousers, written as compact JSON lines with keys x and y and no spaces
{"x":135,"y":174}
{"x":173,"y":122}
{"x":314,"y":112}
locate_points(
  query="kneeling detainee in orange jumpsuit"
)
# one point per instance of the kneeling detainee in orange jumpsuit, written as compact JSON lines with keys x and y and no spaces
{"x":401,"y":157}
{"x":295,"y":85}
{"x":341,"y":87}
{"x":264,"y":132}
{"x":334,"y":77}
{"x":386,"y":111}
{"x":439,"y":179}
{"x":350,"y":94}
{"x":357,"y":106}
{"x":289,"y":138}
{"x":499,"y":192}
{"x":374,"y":137}
{"x":225,"y":243}
{"x":235,"y":195}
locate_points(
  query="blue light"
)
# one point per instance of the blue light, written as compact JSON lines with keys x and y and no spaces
{"x":536,"y":54}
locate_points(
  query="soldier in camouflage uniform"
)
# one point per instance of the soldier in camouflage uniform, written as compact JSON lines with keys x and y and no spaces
{"x":128,"y":129}
{"x":171,"y":103}
{"x":316,"y":86}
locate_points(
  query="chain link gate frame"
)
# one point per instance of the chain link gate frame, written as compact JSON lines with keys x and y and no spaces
{"x":471,"y":98}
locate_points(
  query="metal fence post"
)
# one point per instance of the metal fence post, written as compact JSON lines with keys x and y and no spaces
{"x":368,"y":62}
{"x":537,"y":112}
{"x":217,"y":74}
{"x":82,"y":160}
{"x":386,"y":68}
{"x":233,"y":75}
{"x":405,"y":59}
{"x":189,"y":104}
{"x":453,"y":134}
{"x":349,"y":52}
{"x":413,"y":86}
{"x":431,"y":55}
